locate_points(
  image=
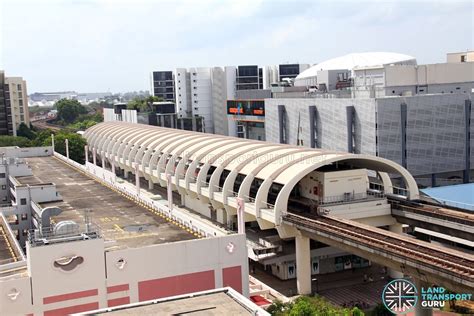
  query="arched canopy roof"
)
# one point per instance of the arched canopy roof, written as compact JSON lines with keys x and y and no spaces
{"x":173,"y":150}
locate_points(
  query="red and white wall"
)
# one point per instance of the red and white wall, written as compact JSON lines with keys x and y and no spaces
{"x":100,"y":278}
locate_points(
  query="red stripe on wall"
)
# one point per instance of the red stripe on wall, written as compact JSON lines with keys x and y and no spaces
{"x":232,"y":277}
{"x":69,"y":296}
{"x":176,"y":285}
{"x":117,"y":288}
{"x":72,"y":309}
{"x":118,"y":301}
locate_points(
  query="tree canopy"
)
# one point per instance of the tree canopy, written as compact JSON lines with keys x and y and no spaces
{"x":25,"y":131}
{"x":143,"y":104}
{"x":309,"y":306}
{"x":69,"y":110}
{"x":7,"y":141}
{"x":76,"y":145}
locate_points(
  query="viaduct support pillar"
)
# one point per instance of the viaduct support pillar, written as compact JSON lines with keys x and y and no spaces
{"x":150,"y":185}
{"x":398,"y":229}
{"x":303,"y":265}
{"x":420,"y":310}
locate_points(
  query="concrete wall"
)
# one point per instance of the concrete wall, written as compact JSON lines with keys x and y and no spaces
{"x":435,"y":128}
{"x":17,"y":152}
{"x":331,"y":123}
{"x":456,"y":57}
{"x":99,"y":278}
{"x":219,"y":101}
{"x":435,"y":132}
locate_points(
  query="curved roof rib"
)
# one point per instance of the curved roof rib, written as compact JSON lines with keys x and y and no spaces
{"x":208,"y":165}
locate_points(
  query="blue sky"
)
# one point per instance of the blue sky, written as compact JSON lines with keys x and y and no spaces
{"x":112,"y":45}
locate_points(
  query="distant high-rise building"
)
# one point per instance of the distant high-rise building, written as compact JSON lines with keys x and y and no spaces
{"x":162,"y":85}
{"x":15,"y":87}
{"x":249,"y":78}
{"x":5,"y":123}
{"x":202,"y":92}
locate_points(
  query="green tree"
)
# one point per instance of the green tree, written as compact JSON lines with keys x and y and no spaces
{"x":303,"y":307}
{"x":76,"y":145}
{"x":6,"y":141}
{"x":69,"y":110}
{"x":143,"y":104}
{"x":41,"y":138}
{"x":24,"y":131}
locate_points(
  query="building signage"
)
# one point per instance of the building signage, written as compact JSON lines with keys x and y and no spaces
{"x":246,"y":107}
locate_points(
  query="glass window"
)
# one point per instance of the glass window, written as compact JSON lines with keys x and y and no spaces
{"x":23,"y":201}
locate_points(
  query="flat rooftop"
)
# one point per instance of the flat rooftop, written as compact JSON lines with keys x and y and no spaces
{"x":118,"y":218}
{"x":5,"y":253}
{"x":218,"y":302}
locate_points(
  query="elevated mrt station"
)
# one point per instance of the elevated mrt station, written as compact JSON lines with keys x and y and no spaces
{"x":217,"y":175}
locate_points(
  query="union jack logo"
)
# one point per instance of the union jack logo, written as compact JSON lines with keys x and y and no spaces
{"x":400,"y":296}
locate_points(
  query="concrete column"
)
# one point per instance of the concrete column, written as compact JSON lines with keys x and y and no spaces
{"x":103,"y":162}
{"x":169,"y":191}
{"x":303,"y":265}
{"x":419,"y":310}
{"x":137,"y":180}
{"x":125,"y":174}
{"x":52,"y":141}
{"x":398,"y":229}
{"x":150,"y":185}
{"x":112,"y":167}
{"x":94,"y":157}
{"x":67,"y":148}
{"x":240,"y":216}
{"x":86,"y":152}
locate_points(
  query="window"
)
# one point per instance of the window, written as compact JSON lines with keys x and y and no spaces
{"x":23,"y":201}
{"x":195,"y":101}
{"x":195,"y":94}
{"x":2,"y":175}
{"x":4,"y":187}
{"x":463,"y":58}
{"x":179,"y":81}
{"x":24,"y":217}
{"x":18,"y":87}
